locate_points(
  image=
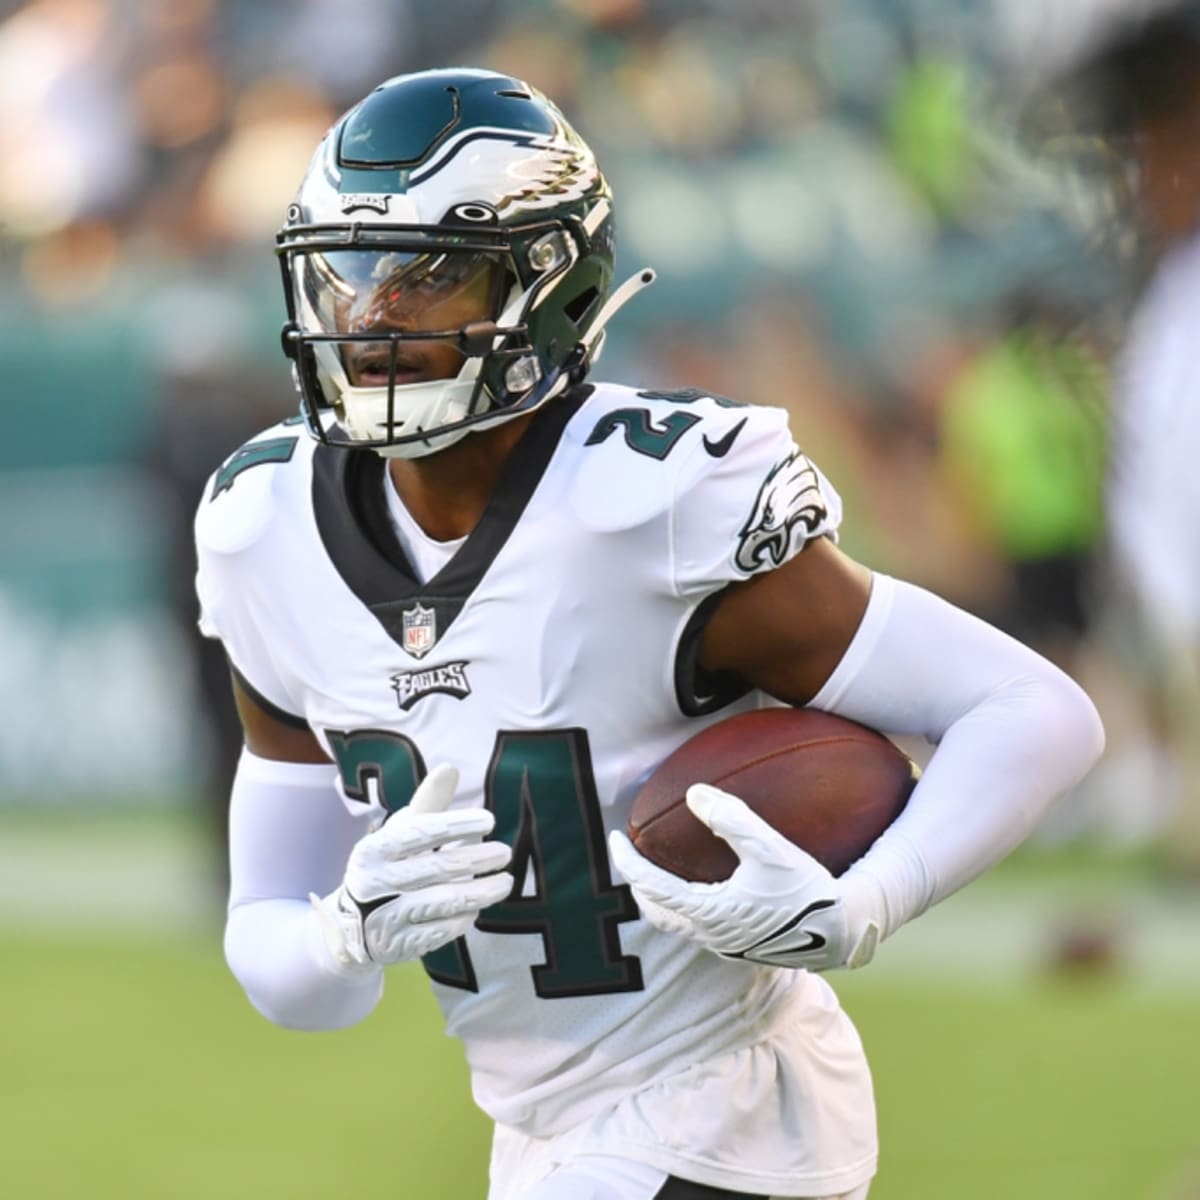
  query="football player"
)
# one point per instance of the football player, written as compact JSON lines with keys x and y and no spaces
{"x":471,"y":599}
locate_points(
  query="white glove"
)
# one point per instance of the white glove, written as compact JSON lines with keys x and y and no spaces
{"x":416,"y":883}
{"x":780,"y":907}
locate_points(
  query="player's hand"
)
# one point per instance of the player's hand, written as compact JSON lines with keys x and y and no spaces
{"x":417,"y":882}
{"x":780,"y":907}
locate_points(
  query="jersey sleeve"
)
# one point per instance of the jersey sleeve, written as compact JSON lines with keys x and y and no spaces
{"x":746,"y":502}
{"x":233,"y":535}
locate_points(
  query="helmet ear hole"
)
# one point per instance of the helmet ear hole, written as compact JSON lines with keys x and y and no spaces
{"x":579,"y":308}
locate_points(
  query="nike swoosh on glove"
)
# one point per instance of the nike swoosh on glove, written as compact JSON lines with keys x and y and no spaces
{"x":780,"y":907}
{"x":416,"y":883}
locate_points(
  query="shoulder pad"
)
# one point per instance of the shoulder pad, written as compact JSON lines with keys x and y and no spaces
{"x":239,"y":498}
{"x":748,"y":500}
{"x":634,"y":445}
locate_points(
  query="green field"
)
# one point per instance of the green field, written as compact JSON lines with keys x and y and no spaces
{"x":131,"y":1066}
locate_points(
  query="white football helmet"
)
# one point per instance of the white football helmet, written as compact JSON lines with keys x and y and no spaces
{"x":451,"y":220}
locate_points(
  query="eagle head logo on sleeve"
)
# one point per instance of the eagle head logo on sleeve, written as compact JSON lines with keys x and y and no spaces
{"x":790,"y":496}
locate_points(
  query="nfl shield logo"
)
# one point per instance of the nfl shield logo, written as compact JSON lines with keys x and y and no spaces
{"x":420,"y":630}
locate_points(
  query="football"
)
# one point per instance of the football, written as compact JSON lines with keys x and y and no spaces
{"x":828,"y":784}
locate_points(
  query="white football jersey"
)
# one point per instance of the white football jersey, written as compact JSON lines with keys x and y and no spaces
{"x":552,"y":661}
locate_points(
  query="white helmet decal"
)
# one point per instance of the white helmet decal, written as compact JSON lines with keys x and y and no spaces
{"x":510,"y":171}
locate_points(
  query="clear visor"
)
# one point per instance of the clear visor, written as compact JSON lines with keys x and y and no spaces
{"x":395,"y":291}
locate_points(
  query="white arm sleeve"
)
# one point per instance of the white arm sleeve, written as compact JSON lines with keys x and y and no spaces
{"x":1012,"y":734}
{"x":290,"y":834}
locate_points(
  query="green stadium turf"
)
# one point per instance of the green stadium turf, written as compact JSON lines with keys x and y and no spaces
{"x":131,"y":1066}
{"x":1074,"y":1088}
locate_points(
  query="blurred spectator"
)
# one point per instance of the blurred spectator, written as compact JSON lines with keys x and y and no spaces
{"x":1138,"y":87}
{"x":69,"y":146}
{"x":1021,"y":443}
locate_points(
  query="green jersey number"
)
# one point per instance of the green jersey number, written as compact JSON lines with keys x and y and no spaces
{"x":541,"y":787}
{"x":641,"y":434}
{"x":252,"y":454}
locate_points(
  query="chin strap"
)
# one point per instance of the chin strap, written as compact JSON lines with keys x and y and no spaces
{"x":593,"y":340}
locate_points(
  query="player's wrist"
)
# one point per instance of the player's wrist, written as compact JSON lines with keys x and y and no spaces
{"x":328,"y":946}
{"x":890,"y":885}
{"x":864,"y":906}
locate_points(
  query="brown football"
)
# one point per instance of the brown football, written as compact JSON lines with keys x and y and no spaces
{"x":829,"y":785}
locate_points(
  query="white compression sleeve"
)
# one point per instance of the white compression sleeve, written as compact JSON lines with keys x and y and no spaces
{"x":1012,"y":734}
{"x":290,"y":834}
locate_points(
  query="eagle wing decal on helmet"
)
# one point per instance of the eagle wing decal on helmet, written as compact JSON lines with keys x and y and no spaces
{"x":545,"y":172}
{"x":557,"y":175}
{"x":790,"y":496}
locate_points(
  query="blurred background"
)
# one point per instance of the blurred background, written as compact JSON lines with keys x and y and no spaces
{"x":954,"y":239}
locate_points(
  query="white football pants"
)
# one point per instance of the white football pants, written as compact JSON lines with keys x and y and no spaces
{"x":598,"y":1177}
